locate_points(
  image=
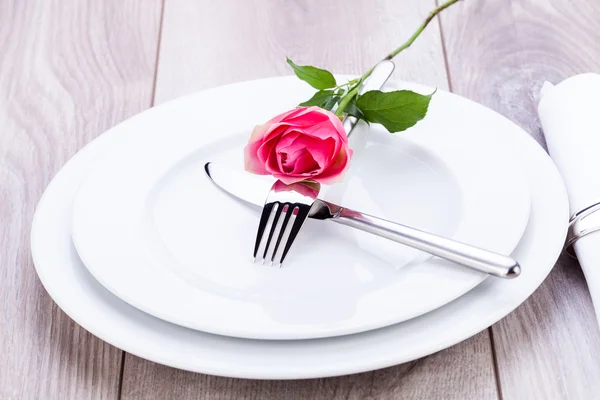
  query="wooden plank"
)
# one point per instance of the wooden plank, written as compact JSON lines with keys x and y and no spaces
{"x":211,"y":43}
{"x":499,"y":54}
{"x":69,"y":71}
{"x":205,"y":44}
{"x":460,"y":372}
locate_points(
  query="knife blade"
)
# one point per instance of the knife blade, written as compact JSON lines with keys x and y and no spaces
{"x":252,"y":190}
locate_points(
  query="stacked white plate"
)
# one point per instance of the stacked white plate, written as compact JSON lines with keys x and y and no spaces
{"x":135,"y":243}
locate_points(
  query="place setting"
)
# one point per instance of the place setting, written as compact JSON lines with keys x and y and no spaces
{"x":298,"y":227}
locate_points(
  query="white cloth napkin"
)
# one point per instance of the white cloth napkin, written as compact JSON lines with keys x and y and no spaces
{"x":570,"y":117}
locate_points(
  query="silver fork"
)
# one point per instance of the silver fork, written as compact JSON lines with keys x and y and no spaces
{"x":284,"y":213}
{"x":287,"y":206}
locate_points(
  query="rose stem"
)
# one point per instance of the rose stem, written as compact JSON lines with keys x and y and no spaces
{"x":351,"y":94}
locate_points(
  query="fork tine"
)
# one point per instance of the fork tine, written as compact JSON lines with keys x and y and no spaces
{"x":266,"y":222}
{"x":284,"y":213}
{"x":288,"y":214}
{"x":276,"y":232}
{"x":300,"y":215}
{"x":285,"y":238}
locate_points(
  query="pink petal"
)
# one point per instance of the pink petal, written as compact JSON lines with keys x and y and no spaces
{"x":292,"y":113}
{"x":265,"y":149}
{"x":310,"y":116}
{"x":330,"y":127}
{"x":251,"y":161}
{"x":338,"y":126}
{"x":335,"y":172}
{"x":326,"y":131}
{"x":288,"y":138}
{"x":321,"y":150}
{"x":285,"y":115}
{"x":276,"y":130}
{"x":305,"y":165}
{"x":258,"y":132}
{"x":318,"y":115}
{"x":283,"y":160}
{"x":299,"y":112}
{"x":272,"y":164}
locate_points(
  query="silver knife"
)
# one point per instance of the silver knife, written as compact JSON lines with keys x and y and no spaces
{"x":251,"y":189}
{"x":381,"y":73}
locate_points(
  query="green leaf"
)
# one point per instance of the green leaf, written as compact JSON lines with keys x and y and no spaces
{"x":316,"y":77}
{"x":354,"y":110}
{"x":324,"y":98}
{"x":396,"y":111}
{"x":331,"y":103}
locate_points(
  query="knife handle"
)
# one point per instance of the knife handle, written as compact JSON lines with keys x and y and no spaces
{"x":461,"y":253}
{"x":381,"y":73}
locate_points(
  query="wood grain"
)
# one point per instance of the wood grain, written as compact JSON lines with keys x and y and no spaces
{"x":68,"y":71}
{"x":205,"y":44}
{"x":208,"y":43}
{"x":461,"y":372}
{"x":548,"y":347}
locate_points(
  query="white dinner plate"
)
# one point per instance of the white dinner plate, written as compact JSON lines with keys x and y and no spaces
{"x":153,"y":229}
{"x":81,"y":297}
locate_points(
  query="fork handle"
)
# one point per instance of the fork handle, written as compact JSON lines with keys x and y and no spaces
{"x":461,"y":253}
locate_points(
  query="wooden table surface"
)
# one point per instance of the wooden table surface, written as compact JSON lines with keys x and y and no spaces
{"x":71,"y":69}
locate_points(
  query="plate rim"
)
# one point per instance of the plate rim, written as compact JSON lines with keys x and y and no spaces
{"x":390,"y":357}
{"x":271,"y":330}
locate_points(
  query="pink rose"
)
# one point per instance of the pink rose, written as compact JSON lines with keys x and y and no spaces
{"x":304,"y":143}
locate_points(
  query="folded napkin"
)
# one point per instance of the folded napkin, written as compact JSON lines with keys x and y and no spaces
{"x":570,"y":117}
